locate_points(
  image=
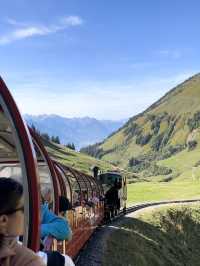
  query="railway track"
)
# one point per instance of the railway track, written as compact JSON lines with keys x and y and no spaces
{"x":93,"y":252}
{"x":149,"y":204}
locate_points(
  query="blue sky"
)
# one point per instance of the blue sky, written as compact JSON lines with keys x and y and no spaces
{"x":107,"y":59}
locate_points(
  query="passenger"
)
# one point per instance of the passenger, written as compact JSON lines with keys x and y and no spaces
{"x":53,"y":225}
{"x":112,"y":199}
{"x":11,"y":226}
{"x":64,"y":206}
{"x":95,"y":199}
{"x":46,"y":195}
{"x":58,"y":228}
{"x":75,"y":199}
{"x":54,"y":258}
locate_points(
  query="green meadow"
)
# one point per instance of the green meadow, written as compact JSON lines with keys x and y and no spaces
{"x":184,"y":185}
{"x":158,"y":191}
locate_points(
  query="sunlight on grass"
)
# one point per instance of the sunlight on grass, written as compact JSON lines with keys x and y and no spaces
{"x":149,"y":191}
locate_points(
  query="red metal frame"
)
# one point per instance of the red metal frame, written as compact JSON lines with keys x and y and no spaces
{"x":72,"y":171}
{"x":39,"y":143}
{"x":61,"y":182}
{"x":30,"y":164}
{"x":60,"y":166}
{"x":89,"y":181}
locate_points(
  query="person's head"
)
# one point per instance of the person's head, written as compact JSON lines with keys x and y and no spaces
{"x":11,"y":208}
{"x":46,"y":194}
{"x":64,"y":205}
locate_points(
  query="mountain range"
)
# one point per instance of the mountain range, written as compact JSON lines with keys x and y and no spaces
{"x":80,"y":131}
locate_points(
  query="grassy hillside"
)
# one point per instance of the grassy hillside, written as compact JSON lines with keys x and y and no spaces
{"x":165,"y":236}
{"x":163,"y":141}
{"x":79,"y":161}
{"x":75,"y":159}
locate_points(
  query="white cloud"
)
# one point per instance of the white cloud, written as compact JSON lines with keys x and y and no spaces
{"x":72,"y":21}
{"x":174,"y":54}
{"x":25,"y":31}
{"x":13,"y":22}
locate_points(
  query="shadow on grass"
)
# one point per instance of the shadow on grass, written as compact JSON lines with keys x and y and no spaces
{"x":139,"y":243}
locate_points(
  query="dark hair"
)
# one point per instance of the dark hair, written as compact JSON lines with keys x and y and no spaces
{"x":10,"y":194}
{"x":64,"y":204}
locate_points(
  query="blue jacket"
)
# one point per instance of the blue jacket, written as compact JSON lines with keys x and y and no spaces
{"x":53,"y":225}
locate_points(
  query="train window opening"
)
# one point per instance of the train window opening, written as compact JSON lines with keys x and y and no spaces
{"x":66,"y":182}
{"x":11,"y":170}
{"x":89,"y":186}
{"x":11,"y":158}
{"x":75,"y":186}
{"x":8,"y":150}
{"x":45,"y":179}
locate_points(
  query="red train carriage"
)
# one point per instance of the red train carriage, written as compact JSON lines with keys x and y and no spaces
{"x":24,"y":157}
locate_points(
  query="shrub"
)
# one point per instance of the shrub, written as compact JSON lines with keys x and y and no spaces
{"x":95,"y":151}
{"x":192,"y":145}
{"x":71,"y":146}
{"x":151,"y":117}
{"x":194,"y":122}
{"x":45,"y":136}
{"x":155,"y":170}
{"x":155,"y":126}
{"x":132,"y":130}
{"x":197,"y":164}
{"x":143,"y":139}
{"x":134,"y":161}
{"x":55,"y":139}
{"x":157,"y":142}
{"x":138,"y":165}
{"x":170,"y":150}
{"x":168,"y":179}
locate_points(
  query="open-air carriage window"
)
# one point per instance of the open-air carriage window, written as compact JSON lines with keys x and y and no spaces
{"x":66,"y":182}
{"x":84,"y":190}
{"x":45,"y":178}
{"x":89,"y":186}
{"x":9,"y":160}
{"x":95,"y":187}
{"x":17,"y":161}
{"x":75,"y":186}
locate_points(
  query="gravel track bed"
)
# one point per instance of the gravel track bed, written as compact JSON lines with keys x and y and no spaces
{"x":92,"y":254}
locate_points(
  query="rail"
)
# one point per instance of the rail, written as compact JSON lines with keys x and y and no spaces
{"x":149,"y":204}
